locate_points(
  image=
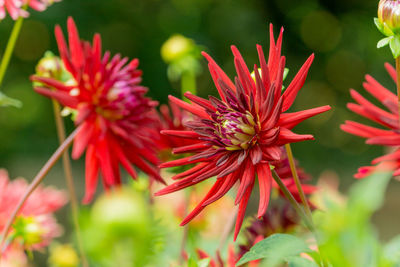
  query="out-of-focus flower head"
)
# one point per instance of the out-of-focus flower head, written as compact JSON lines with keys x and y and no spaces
{"x":35,"y":226}
{"x":389,"y":118}
{"x":182,"y":56}
{"x":242,"y":133}
{"x":120,"y":228}
{"x":117,"y":123}
{"x":281,"y":218}
{"x":17,"y":8}
{"x":63,"y":255}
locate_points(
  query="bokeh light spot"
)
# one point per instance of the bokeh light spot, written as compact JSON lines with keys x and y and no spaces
{"x":320,"y":31}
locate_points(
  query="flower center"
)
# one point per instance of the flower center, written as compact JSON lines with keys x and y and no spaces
{"x":237,"y":130}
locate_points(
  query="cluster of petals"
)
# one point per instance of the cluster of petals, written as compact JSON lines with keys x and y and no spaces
{"x":241,"y":133}
{"x":387,"y":117}
{"x":16,"y":8}
{"x":117,"y":123}
{"x":40,"y":206}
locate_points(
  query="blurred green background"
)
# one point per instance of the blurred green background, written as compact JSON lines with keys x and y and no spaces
{"x":341,"y":33}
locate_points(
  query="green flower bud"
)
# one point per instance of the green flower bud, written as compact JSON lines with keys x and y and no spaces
{"x":176,"y":47}
{"x":50,"y":66}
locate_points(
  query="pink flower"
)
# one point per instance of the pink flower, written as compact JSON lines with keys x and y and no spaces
{"x":15,"y":8}
{"x":36,"y":216}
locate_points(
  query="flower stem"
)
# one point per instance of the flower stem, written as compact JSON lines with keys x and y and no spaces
{"x":293,"y":201}
{"x":35,"y":183}
{"x":398,"y":84}
{"x":228,"y":227}
{"x":69,"y":180}
{"x":10,"y":47}
{"x":297,"y":180}
{"x":188,"y":82}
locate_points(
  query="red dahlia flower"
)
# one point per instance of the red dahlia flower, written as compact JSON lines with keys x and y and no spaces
{"x":388,"y":118}
{"x":117,"y":122}
{"x":240,"y":134}
{"x":16,"y":7}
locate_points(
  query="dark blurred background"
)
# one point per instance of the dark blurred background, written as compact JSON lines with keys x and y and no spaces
{"x":341,"y":33}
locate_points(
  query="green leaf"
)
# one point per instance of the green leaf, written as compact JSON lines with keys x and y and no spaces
{"x":301,"y":262}
{"x":384,"y":42}
{"x":6,"y":101}
{"x":394,"y":45}
{"x":275,"y":249}
{"x":392,"y":250}
{"x":368,"y":194}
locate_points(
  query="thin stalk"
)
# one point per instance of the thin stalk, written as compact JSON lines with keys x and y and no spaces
{"x":308,"y":221}
{"x":293,"y":201}
{"x":398,"y":84}
{"x":228,"y":227}
{"x":186,"y":227}
{"x":35,"y":183}
{"x":69,"y":180}
{"x":297,"y":180}
{"x":188,"y":82}
{"x":10,"y":48}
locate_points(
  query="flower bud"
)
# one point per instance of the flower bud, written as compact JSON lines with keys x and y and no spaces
{"x":50,"y":66}
{"x":389,"y":16}
{"x":176,"y":47}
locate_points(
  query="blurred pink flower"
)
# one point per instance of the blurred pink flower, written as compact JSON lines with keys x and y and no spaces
{"x":15,"y":8}
{"x":36,"y":215}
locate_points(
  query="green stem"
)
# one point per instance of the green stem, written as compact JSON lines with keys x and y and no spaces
{"x":297,"y":180}
{"x":188,"y":83}
{"x":10,"y":48}
{"x":69,"y":180}
{"x":293,"y":201}
{"x":35,"y":183}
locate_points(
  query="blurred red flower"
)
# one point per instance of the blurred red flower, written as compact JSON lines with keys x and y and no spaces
{"x":242,"y":133}
{"x":15,"y":8}
{"x":388,"y":118}
{"x":117,"y":122}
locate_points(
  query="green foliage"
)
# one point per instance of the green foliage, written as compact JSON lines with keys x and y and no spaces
{"x":277,"y":249}
{"x":6,"y":101}
{"x":346,"y":236}
{"x":120,"y":230}
{"x":192,"y":262}
{"x":392,"y":39}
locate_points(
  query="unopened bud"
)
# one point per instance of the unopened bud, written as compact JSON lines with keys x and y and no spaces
{"x":176,"y":47}
{"x":50,"y":66}
{"x":389,"y":16}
